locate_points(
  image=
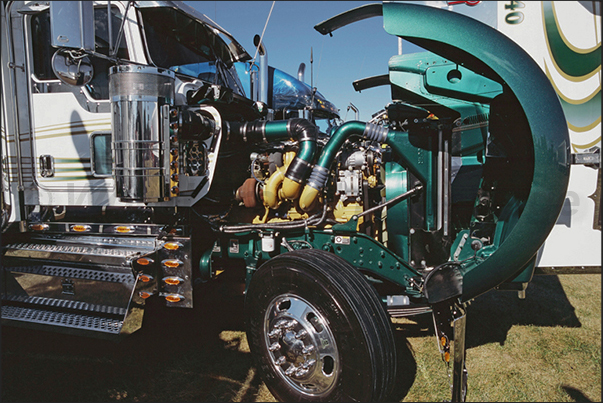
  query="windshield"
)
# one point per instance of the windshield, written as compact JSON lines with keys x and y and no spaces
{"x":177,"y":42}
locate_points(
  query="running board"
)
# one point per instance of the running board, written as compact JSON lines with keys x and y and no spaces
{"x":82,"y":285}
{"x":65,"y":322}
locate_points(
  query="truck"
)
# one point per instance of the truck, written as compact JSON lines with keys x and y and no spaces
{"x":144,"y":152}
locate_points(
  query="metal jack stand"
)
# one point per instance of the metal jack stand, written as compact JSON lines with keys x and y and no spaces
{"x":450,"y":322}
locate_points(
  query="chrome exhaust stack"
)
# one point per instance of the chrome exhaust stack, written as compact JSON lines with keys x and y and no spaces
{"x":141,"y":97}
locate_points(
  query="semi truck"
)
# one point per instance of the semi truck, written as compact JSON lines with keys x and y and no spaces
{"x":144,"y":152}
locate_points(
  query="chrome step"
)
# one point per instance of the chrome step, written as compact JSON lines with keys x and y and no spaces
{"x":88,"y":297}
{"x":76,"y":283}
{"x":103,"y":250}
{"x":64,"y":320}
{"x":54,"y":303}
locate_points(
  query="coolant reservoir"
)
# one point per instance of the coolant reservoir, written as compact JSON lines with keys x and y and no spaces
{"x":140,"y":100}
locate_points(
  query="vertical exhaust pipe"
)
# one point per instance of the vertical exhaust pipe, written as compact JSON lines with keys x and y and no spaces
{"x":355,"y":109}
{"x":263,"y":75}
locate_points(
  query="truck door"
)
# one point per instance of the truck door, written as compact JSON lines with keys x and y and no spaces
{"x":71,"y":125}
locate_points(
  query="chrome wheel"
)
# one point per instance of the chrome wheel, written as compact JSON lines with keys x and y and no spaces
{"x":302,"y":347}
{"x":318,"y":331}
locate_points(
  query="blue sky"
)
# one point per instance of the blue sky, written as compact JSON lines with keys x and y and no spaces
{"x":355,"y":51}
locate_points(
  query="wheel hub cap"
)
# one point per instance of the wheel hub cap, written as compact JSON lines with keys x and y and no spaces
{"x":301,"y":345}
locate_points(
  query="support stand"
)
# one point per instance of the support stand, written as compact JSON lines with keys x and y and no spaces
{"x":450,"y":323}
{"x":459,"y":371}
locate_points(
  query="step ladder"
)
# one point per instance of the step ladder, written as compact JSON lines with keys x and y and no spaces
{"x":76,"y":284}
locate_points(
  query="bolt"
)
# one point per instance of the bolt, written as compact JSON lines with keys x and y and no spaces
{"x":274,"y":347}
{"x":290,"y":371}
{"x":308,"y":349}
{"x":291,"y":324}
{"x":281,"y":324}
{"x":274,"y":333}
{"x":301,"y":372}
{"x":308,"y":364}
{"x":281,"y":360}
{"x":301,"y":334}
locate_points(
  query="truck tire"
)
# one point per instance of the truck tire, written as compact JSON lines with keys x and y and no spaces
{"x":318,"y":331}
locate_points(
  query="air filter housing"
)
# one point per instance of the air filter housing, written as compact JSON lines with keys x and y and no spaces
{"x":141,"y":97}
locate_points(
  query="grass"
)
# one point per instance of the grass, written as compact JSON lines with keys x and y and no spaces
{"x":544,"y":348}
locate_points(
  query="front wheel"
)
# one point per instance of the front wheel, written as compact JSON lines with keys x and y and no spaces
{"x":318,"y":331}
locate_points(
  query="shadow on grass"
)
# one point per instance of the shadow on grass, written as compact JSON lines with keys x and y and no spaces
{"x":575,"y":394}
{"x":406,"y":366}
{"x":491,"y":315}
{"x":177,"y":356}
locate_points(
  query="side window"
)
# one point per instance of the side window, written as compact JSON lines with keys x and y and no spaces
{"x":99,"y":85}
{"x":101,"y":153}
{"x":43,"y":51}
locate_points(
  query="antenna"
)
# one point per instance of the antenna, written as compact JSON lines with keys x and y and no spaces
{"x":311,"y":69}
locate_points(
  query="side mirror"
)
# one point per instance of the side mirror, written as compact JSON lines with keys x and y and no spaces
{"x":70,"y":69}
{"x":72,"y":24}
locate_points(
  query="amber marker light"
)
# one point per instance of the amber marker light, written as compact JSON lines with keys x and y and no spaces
{"x":174,"y":297}
{"x":172,"y":280}
{"x":80,"y":228}
{"x":171,"y":263}
{"x":39,"y":227}
{"x":172,"y":245}
{"x":144,"y":294}
{"x":122,"y":229}
{"x":145,"y":278}
{"x":143,"y":261}
{"x":447,"y":356}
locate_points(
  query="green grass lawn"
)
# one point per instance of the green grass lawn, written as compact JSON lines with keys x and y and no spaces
{"x":546,"y":347}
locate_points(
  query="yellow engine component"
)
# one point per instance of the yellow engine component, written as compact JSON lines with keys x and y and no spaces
{"x":308,"y":198}
{"x":274,"y":185}
{"x":271,"y":188}
{"x":291,"y":189}
{"x":343,"y":212}
{"x":292,"y":215}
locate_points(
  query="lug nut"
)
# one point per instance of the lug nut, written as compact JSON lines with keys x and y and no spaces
{"x":308,"y":349}
{"x":281,"y":324}
{"x":301,"y":334}
{"x":274,"y":347}
{"x":291,"y":370}
{"x":274,"y":333}
{"x":301,"y":372}
{"x":308,"y":364}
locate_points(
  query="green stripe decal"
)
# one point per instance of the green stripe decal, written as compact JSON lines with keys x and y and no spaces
{"x":573,"y":62}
